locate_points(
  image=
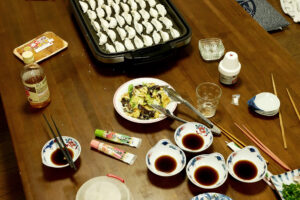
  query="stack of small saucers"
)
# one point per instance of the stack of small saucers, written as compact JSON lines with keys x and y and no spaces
{"x":265,"y":103}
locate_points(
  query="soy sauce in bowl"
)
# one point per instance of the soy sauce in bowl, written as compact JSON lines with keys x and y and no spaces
{"x":58,"y":158}
{"x":245,"y":169}
{"x":206,"y":175}
{"x":192,"y":141}
{"x":165,"y":164}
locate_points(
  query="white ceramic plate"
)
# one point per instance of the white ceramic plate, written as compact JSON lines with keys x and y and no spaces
{"x":124,"y":89}
{"x":211,"y":196}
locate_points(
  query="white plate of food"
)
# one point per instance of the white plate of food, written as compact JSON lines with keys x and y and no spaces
{"x":132,"y":99}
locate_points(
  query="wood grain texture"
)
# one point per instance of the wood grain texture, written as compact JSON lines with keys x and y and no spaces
{"x":82,"y":90}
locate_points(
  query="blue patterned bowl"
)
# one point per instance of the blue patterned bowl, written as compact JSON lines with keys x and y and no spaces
{"x":214,"y":160}
{"x":265,"y":103}
{"x":195,"y":128}
{"x":211,"y":196}
{"x":165,"y":147}
{"x":251,"y":154}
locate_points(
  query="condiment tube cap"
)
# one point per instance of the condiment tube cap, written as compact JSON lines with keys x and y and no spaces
{"x":230,"y":65}
{"x":94,"y":144}
{"x":28,"y":57}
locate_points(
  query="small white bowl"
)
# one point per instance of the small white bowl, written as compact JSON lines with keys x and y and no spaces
{"x":251,"y":154}
{"x":165,"y":147}
{"x":265,"y":103}
{"x":211,"y":196}
{"x":193,"y":128}
{"x":52,"y":145}
{"x":215,"y":161}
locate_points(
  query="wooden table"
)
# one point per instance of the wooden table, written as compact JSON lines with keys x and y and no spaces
{"x":82,"y":91}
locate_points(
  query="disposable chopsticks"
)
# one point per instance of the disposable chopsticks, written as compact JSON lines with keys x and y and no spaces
{"x":280,"y":117}
{"x":263,"y":147}
{"x":63,"y":147}
{"x":293,"y":103}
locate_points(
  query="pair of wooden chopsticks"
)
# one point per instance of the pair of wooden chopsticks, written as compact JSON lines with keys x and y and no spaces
{"x":263,"y":147}
{"x":63,"y":147}
{"x":293,"y":103}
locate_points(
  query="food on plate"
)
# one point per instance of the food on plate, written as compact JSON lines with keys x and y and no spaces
{"x":120,"y":20}
{"x":174,"y":33}
{"x":136,"y":102}
{"x":291,"y":191}
{"x":153,"y":12}
{"x":161,"y":9}
{"x":110,"y":48}
{"x":102,"y":38}
{"x":156,"y":37}
{"x":149,"y":27}
{"x":128,"y":44}
{"x":131,"y":31}
{"x":164,"y":35}
{"x":147,"y":40}
{"x":112,"y":22}
{"x":122,"y":33}
{"x":119,"y":46}
{"x":100,"y":12}
{"x":145,"y":14}
{"x":127,"y":17}
{"x":138,"y":42}
{"x":167,"y":22}
{"x":138,"y":27}
{"x":84,"y":6}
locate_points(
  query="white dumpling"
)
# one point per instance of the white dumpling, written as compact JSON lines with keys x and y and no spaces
{"x":158,"y":26}
{"x":125,"y":7}
{"x":112,"y":22}
{"x":92,"y":4}
{"x":167,"y":22}
{"x":117,"y":1}
{"x":100,"y":3}
{"x":120,"y":20}
{"x":111,"y":34}
{"x":165,"y":36}
{"x":104,"y":24}
{"x":110,"y":2}
{"x":96,"y":26}
{"x":128,"y":44}
{"x":145,"y":14}
{"x":153,"y":12}
{"x":138,"y":42}
{"x":156,"y":37}
{"x":142,"y":4}
{"x":91,"y":14}
{"x":124,"y":1}
{"x":131,"y":32}
{"x":102,"y":38}
{"x":84,"y":6}
{"x":119,"y":46}
{"x":149,"y":27}
{"x":136,"y":16}
{"x":147,"y":40}
{"x":132,"y":4}
{"x":122,"y":33}
{"x":127,"y":17}
{"x":100,"y":12}
{"x":110,"y":48}
{"x":108,"y":10}
{"x":116,"y":8}
{"x":138,"y":27}
{"x":151,"y":3}
{"x":161,"y":9}
{"x":174,"y":33}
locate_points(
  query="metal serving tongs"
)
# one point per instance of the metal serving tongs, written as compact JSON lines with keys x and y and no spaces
{"x":176,"y":97}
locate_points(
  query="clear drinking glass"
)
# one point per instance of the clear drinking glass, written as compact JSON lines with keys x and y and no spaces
{"x":211,"y":48}
{"x":208,"y":96}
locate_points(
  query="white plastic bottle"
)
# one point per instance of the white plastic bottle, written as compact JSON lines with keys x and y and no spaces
{"x":229,"y":68}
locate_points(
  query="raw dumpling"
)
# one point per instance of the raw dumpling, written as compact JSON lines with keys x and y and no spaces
{"x":153,"y":12}
{"x":110,"y":2}
{"x":138,"y":42}
{"x":84,"y":6}
{"x":151,"y":3}
{"x":128,"y":44}
{"x":111,"y":34}
{"x":107,"y":10}
{"x":100,"y":12}
{"x":92,"y":4}
{"x":161,"y":9}
{"x":156,"y":37}
{"x":131,"y":32}
{"x":125,"y":7}
{"x":145,"y":14}
{"x":122,"y":33}
{"x":132,"y":4}
{"x":112,"y":22}
{"x":147,"y":40}
{"x":149,"y":27}
{"x":167,"y":22}
{"x":157,"y":24}
{"x":136,"y":16}
{"x":165,"y":36}
{"x":95,"y":25}
{"x":138,"y":27}
{"x":100,"y":3}
{"x":102,"y":38}
{"x":119,"y":46}
{"x":127,"y":17}
{"x":91,"y":14}
{"x":120,"y":20}
{"x":104,"y":24}
{"x":174,"y":33}
{"x":116,"y":8}
{"x":110,"y":48}
{"x":142,"y":4}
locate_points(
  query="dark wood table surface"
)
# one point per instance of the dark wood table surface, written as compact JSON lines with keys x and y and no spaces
{"x":82,"y":91}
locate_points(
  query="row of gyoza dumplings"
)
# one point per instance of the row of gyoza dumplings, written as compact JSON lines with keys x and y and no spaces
{"x":133,"y":26}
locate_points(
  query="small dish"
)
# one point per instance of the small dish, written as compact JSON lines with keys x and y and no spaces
{"x":210,"y":168}
{"x":193,"y":137}
{"x":51,"y":146}
{"x":265,"y":103}
{"x":161,"y":153}
{"x":285,"y":178}
{"x":124,"y":88}
{"x":211,"y":48}
{"x":211,"y":196}
{"x":247,"y":165}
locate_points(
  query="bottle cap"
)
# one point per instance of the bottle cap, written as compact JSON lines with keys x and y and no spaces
{"x":94,"y":144}
{"x":28,"y":57}
{"x":230,"y":65}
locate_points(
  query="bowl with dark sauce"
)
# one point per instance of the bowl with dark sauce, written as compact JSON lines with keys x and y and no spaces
{"x":247,"y":165}
{"x":52,"y":156}
{"x":165,"y":159}
{"x":193,"y":137}
{"x":207,"y":171}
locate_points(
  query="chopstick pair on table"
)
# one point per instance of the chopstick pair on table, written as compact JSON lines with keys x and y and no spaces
{"x":60,"y":142}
